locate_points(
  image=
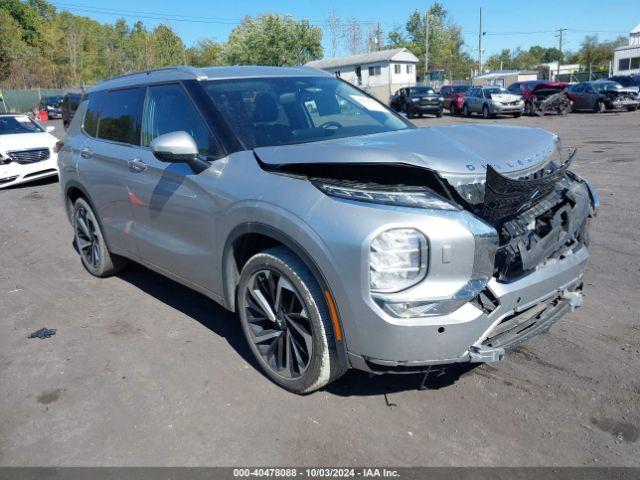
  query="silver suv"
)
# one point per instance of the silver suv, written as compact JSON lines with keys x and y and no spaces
{"x":342,"y":235}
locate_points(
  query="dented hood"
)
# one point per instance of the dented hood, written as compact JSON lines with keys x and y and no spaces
{"x":453,"y":151}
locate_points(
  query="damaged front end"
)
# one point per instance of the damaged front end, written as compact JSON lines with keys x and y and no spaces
{"x":622,"y":99}
{"x":549,"y":98}
{"x":528,"y":217}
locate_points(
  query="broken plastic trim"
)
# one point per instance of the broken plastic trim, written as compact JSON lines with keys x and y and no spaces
{"x":505,"y":198}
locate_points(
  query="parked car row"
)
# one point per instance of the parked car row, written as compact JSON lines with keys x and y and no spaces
{"x":536,"y":97}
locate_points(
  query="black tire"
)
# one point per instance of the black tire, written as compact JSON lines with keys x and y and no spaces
{"x":65,"y":124}
{"x":517,"y":115}
{"x":323,"y":364}
{"x":632,"y":108}
{"x":599,"y":106}
{"x":453,"y":109}
{"x":485,"y":112}
{"x":89,"y":241}
{"x":439,"y":113}
{"x":528,"y":109}
{"x":409,"y":111}
{"x":465,"y":110}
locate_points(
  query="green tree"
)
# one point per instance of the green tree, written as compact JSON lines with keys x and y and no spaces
{"x":273,"y":40}
{"x":205,"y":53}
{"x":168,"y":47}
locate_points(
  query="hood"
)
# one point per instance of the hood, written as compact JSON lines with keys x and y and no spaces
{"x":452,"y":151}
{"x":544,"y":85}
{"x":23,"y":141}
{"x":505,"y":97}
{"x":420,"y":95}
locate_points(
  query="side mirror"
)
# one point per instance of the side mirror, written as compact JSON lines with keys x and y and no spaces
{"x":178,"y":147}
{"x":174,"y":147}
{"x":50,"y":129}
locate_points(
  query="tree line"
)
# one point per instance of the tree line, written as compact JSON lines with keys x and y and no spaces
{"x":43,"y":47}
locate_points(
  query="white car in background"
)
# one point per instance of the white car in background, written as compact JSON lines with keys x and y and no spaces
{"x":27,"y":150}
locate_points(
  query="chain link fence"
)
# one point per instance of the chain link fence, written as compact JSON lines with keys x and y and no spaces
{"x":23,"y":101}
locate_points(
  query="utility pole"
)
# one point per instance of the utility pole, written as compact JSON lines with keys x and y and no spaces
{"x":560,"y":35}
{"x":480,"y":34}
{"x":426,"y":45}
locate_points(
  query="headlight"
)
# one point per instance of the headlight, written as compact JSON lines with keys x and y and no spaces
{"x":397,"y":260}
{"x":417,"y":197}
{"x":441,"y":99}
{"x":415,"y":99}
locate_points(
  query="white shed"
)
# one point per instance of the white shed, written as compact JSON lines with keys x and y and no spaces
{"x":626,"y":59}
{"x":379,"y":73}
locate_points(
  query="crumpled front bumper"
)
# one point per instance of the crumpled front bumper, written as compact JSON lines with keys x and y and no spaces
{"x":469,"y":334}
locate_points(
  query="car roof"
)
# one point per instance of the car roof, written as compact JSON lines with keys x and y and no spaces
{"x":168,"y":74}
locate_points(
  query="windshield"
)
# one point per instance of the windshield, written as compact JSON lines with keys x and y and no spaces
{"x":606,"y":86}
{"x":420,"y":90}
{"x":264,"y":112}
{"x":53,"y":101}
{"x":18,"y":124}
{"x":461,"y":89}
{"x":494,"y":90}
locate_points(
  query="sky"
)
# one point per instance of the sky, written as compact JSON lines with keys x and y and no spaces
{"x":507,"y":23}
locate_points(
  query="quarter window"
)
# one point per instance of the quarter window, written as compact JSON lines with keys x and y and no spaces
{"x":90,"y":123}
{"x":169,"y":109}
{"x":120,"y":118}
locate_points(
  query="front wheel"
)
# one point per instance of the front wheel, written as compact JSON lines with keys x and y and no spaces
{"x":465,"y":110}
{"x":409,"y":111}
{"x":632,"y":108}
{"x":517,"y":115}
{"x":287,"y":323}
{"x":485,"y":113}
{"x":439,"y":113}
{"x":599,"y":107}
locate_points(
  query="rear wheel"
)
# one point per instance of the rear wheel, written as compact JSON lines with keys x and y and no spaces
{"x":453,"y":109}
{"x":286,"y":321}
{"x":89,"y":241}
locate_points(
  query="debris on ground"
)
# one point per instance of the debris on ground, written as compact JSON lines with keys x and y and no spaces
{"x":43,"y":333}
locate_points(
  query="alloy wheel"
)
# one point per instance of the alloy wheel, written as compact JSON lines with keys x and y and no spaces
{"x":278,"y":323}
{"x":87,"y":239}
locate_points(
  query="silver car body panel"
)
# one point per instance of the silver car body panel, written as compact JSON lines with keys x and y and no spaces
{"x":180,"y":223}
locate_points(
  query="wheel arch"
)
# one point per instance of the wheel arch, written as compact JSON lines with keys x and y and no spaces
{"x":236,"y":251}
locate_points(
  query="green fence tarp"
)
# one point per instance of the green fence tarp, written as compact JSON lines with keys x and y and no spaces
{"x":23,"y":101}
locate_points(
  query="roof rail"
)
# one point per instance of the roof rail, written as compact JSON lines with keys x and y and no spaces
{"x":180,"y":68}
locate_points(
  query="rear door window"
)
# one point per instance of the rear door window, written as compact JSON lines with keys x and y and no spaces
{"x":121,"y":116}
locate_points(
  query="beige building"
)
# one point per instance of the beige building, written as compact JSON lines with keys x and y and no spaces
{"x":379,"y":73}
{"x":504,"y":78}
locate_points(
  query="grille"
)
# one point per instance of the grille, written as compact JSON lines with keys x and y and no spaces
{"x":33,"y":155}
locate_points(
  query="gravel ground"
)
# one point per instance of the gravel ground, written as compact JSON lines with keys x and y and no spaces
{"x":143,"y":371}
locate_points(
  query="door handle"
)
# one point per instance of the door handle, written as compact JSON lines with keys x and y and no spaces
{"x":86,"y":153}
{"x":137,"y":165}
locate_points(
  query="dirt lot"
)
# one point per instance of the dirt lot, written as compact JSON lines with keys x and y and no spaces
{"x":143,"y":371}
